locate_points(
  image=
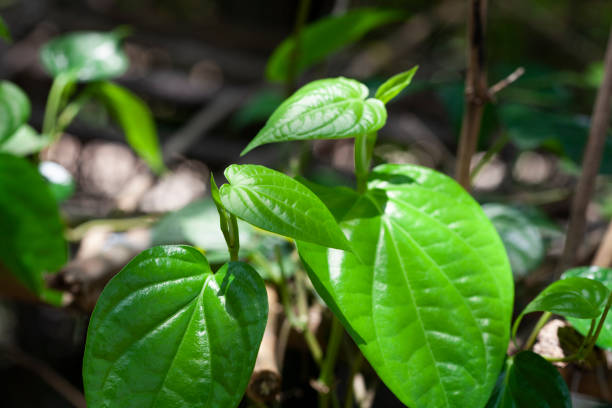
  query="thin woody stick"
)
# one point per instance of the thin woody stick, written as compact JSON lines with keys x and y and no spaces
{"x":590,"y":165}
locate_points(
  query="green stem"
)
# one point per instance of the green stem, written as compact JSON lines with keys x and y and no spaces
{"x":57,"y":96}
{"x":329,"y":363}
{"x":534,"y":333}
{"x":72,"y":110}
{"x":116,"y":225}
{"x":364,"y":145}
{"x":348,"y":402}
{"x":234,"y":238}
{"x":600,"y":325}
{"x":496,"y":148}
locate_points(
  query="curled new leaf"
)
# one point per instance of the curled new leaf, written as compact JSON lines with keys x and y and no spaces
{"x":167,"y":332}
{"x":332,"y":108}
{"x":577,"y":297}
{"x":14,"y":109}
{"x":426,"y":293}
{"x":135,"y":119}
{"x":604,"y":276}
{"x":394,"y":85}
{"x":275,"y":202}
{"x":324,"y":37}
{"x":89,"y":55}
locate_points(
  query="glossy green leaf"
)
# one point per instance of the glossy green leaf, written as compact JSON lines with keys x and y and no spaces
{"x":332,"y":108}
{"x":5,"y":34}
{"x":394,"y":85}
{"x":25,"y":141}
{"x":523,"y":241}
{"x":58,"y":179}
{"x":135,"y":119}
{"x":275,"y":202}
{"x":32,"y":239}
{"x":324,"y":37}
{"x":429,"y":299}
{"x":90,"y":55}
{"x":577,"y":297}
{"x":530,"y":381}
{"x":167,"y":332}
{"x":603,"y":275}
{"x":14,"y":109}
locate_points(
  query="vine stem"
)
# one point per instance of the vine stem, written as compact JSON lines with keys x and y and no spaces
{"x":534,"y":333}
{"x":496,"y":148}
{"x":590,"y":165}
{"x":364,"y":145}
{"x":602,"y":320}
{"x":329,"y":363}
{"x":294,"y":57}
{"x":57,"y":96}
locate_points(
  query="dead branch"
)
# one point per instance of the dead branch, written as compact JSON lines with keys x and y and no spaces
{"x":590,"y":165}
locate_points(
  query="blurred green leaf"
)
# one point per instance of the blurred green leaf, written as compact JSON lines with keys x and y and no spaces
{"x":603,"y":275}
{"x":528,"y":380}
{"x":332,"y":108}
{"x":574,"y":296}
{"x":135,"y":119}
{"x":90,"y":55}
{"x":14,"y":109}
{"x":25,"y":141}
{"x":522,"y":240}
{"x":5,"y":34}
{"x":326,"y":36}
{"x":394,"y":85}
{"x":530,"y":128}
{"x":32,"y":240}
{"x":257,"y":109}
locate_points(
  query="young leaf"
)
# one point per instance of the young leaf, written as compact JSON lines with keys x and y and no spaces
{"x":136,"y":120}
{"x":577,"y":297}
{"x":32,"y":239}
{"x":5,"y":34}
{"x":395,"y":85}
{"x":523,"y":241}
{"x":167,"y":332}
{"x":331,"y":108}
{"x":90,"y":55}
{"x":428,"y":299}
{"x":530,"y":381}
{"x":324,"y":37}
{"x":603,"y":275}
{"x":275,"y":202}
{"x":25,"y":141}
{"x":14,"y":109}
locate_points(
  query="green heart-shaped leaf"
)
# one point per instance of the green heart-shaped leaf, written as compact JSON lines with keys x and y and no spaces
{"x":32,"y":239}
{"x":275,"y":202}
{"x":25,"y":141}
{"x":429,"y":299}
{"x":577,"y":297}
{"x":135,"y":119}
{"x":324,"y":37}
{"x":14,"y":109}
{"x":522,"y":239}
{"x":331,"y":108}
{"x":530,"y":381}
{"x":394,"y":85}
{"x":58,"y":179}
{"x":90,"y":55}
{"x":167,"y":332}
{"x":603,"y":275}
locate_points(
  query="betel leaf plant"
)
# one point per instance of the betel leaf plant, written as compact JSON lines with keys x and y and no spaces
{"x":33,"y":242}
{"x":408,"y":262}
